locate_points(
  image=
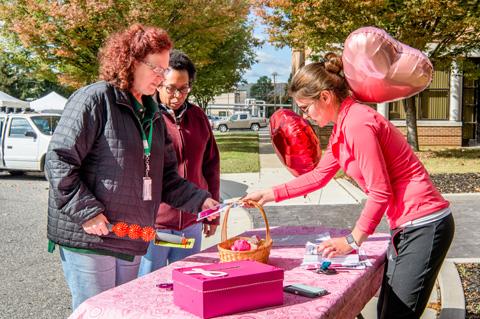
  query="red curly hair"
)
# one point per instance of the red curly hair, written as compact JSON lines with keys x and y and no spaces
{"x":121,"y":50}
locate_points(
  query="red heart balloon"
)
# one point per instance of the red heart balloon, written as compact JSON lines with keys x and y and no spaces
{"x":379,"y":68}
{"x":294,"y":141}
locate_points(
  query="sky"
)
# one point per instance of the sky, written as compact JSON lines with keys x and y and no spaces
{"x":270,"y":60}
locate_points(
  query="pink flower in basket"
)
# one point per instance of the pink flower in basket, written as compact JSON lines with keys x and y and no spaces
{"x":240,"y":245}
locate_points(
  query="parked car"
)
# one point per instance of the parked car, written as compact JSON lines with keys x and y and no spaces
{"x":240,"y":121}
{"x":24,"y":139}
{"x":212,"y":119}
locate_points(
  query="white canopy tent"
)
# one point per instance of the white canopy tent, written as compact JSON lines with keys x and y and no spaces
{"x":52,"y":102}
{"x":9,"y":103}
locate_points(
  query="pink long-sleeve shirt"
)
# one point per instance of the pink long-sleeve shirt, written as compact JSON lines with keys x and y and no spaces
{"x":372,"y":151}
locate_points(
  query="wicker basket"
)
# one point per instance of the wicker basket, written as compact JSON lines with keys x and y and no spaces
{"x":260,"y":254}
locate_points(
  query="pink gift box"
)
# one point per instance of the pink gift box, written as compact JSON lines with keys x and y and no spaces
{"x":248,"y":285}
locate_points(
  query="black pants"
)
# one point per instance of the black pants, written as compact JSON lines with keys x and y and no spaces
{"x":415,"y":255}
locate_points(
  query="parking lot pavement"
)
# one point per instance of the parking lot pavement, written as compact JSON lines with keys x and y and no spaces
{"x":32,"y":283}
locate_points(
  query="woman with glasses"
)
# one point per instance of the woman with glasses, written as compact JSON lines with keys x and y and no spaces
{"x":372,"y":151}
{"x":198,"y":161}
{"x":109,"y":161}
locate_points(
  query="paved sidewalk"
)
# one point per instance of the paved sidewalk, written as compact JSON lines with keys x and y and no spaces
{"x":273,"y":172}
{"x":338,"y":204}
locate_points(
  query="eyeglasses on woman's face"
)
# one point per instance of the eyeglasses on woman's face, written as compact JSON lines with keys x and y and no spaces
{"x":305,"y":108}
{"x":172,"y":90}
{"x":158,"y":70}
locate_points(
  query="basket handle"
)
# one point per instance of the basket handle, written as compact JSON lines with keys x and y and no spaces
{"x":252,"y":203}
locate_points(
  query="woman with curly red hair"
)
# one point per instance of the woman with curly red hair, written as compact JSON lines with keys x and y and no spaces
{"x":110,"y":160}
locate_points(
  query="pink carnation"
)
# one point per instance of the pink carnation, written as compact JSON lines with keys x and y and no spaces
{"x":240,"y":245}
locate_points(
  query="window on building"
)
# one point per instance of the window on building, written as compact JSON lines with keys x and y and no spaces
{"x":470,"y":116}
{"x":222,"y":113}
{"x":432,"y":104}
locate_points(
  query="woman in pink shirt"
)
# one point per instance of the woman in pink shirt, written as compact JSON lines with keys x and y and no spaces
{"x":371,"y":150}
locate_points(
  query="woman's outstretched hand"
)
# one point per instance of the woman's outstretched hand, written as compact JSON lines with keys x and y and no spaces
{"x":339,"y":246}
{"x":334,"y":247}
{"x":262,"y":197}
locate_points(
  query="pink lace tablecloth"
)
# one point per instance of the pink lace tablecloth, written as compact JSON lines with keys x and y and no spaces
{"x":349,"y":290}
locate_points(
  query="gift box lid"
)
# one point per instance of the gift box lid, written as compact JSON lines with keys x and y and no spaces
{"x":239,"y":273}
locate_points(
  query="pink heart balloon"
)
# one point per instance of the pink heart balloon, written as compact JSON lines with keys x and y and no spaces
{"x":379,"y":68}
{"x":294,"y":141}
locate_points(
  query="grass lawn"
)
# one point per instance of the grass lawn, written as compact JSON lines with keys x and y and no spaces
{"x":238,"y":152}
{"x":459,"y":160}
{"x":446,"y":161}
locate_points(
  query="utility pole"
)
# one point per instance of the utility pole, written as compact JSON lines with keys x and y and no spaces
{"x":274,"y":75}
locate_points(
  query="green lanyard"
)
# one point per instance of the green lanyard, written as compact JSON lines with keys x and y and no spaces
{"x":147,"y":143}
{"x":147,"y":146}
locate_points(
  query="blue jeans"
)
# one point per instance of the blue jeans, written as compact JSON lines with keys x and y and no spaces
{"x":160,"y":256}
{"x":88,"y":274}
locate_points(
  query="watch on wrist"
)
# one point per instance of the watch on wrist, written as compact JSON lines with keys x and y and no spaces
{"x":351,"y":241}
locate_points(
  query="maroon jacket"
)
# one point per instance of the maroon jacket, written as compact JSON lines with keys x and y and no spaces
{"x":198,"y":161}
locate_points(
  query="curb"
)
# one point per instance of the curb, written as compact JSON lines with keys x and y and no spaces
{"x":354,"y":191}
{"x":360,"y":196}
{"x":461,"y":194}
{"x":451,"y":290}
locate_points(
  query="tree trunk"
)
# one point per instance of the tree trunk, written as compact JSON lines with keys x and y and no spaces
{"x":202,"y":102}
{"x":203,"y":105}
{"x":411,"y":119}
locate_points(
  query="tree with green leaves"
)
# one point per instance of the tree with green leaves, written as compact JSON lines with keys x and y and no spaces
{"x":20,"y":76}
{"x":446,"y":30}
{"x":263,"y":89}
{"x":229,"y":62}
{"x":65,"y":36}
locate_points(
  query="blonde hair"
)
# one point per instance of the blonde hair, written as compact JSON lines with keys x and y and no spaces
{"x":316,"y":77}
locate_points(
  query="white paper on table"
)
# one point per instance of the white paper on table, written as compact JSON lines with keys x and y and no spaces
{"x":364,"y":258}
{"x":349,"y":260}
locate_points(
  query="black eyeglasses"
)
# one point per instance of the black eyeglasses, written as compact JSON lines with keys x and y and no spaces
{"x":173,"y":90}
{"x":158,"y":70}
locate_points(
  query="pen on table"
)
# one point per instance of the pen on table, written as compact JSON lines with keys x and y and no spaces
{"x":340,"y":266}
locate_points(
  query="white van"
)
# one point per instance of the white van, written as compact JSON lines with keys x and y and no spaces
{"x":24,"y":139}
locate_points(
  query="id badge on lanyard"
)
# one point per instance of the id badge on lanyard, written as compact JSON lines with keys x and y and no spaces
{"x":147,"y":181}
